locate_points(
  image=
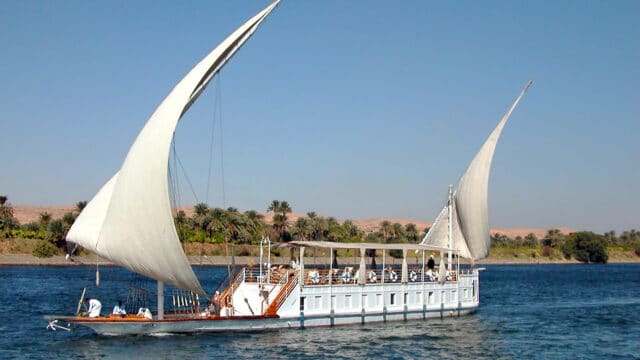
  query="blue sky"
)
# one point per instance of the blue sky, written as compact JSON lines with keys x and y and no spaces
{"x":352,"y":109}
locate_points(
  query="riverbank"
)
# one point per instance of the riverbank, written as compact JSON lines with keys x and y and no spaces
{"x":205,"y":260}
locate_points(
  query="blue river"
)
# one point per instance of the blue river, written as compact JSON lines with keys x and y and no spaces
{"x":526,"y":311}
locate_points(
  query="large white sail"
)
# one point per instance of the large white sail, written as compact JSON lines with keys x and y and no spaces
{"x":130,"y":221}
{"x":470,"y":219}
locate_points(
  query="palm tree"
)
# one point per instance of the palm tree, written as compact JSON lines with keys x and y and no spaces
{"x":280,"y":210}
{"x":68,"y":219}
{"x":316,"y":225}
{"x":302,"y":229}
{"x":411,"y":230}
{"x":80,"y":205}
{"x":334,"y":231}
{"x":45,"y":219}
{"x":351,"y":230}
{"x":274,"y":207}
{"x":6,"y":210}
{"x":386,"y":229}
{"x":201,"y":209}
{"x":256,"y":223}
{"x":398,"y":231}
{"x":56,"y":232}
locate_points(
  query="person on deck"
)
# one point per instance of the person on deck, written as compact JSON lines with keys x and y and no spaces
{"x":119,"y":310}
{"x":216,"y":303}
{"x":145,"y":313}
{"x":431,"y":264}
{"x":294,"y":264}
{"x":95,"y":306}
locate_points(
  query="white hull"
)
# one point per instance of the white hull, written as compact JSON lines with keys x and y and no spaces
{"x":314,"y":306}
{"x":258,"y":324}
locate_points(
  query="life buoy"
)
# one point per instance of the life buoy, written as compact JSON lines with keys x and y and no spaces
{"x":413,"y":276}
{"x":346,"y":277}
{"x":315,"y":277}
{"x":373,"y":277}
{"x":393,"y":276}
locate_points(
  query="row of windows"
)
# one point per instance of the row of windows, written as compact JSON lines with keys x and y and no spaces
{"x":347,"y":301}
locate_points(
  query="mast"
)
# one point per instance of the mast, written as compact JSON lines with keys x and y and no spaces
{"x":160,"y":300}
{"x":449,"y":225}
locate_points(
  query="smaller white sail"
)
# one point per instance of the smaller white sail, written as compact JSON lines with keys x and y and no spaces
{"x":438,"y":233}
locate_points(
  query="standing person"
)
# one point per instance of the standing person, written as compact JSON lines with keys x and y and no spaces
{"x":216,"y":303}
{"x":119,"y":310}
{"x":95,"y":306}
{"x":431,"y":264}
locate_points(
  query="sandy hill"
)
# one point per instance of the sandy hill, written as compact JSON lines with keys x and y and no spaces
{"x":29,"y":213}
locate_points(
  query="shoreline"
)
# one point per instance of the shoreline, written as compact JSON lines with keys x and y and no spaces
{"x":59,"y":260}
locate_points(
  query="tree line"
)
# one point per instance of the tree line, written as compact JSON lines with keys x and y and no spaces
{"x":231,"y":226}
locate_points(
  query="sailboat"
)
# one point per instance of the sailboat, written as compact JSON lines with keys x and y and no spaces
{"x":129,"y":222}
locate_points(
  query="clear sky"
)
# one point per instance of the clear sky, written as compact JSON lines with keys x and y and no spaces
{"x":352,"y":109}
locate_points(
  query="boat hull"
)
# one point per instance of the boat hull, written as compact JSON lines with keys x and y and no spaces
{"x":110,"y":327}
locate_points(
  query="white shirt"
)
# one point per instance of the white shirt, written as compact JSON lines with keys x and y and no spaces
{"x":95,"y":306}
{"x":145,"y":312}
{"x":118,"y":310}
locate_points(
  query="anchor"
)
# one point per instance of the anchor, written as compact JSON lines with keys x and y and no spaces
{"x":53,"y":325}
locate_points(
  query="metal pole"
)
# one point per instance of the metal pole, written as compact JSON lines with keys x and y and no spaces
{"x":450,"y":214}
{"x":330,"y":266}
{"x":261,"y":263}
{"x":268,"y":260}
{"x":422,"y":265}
{"x":383,"y":264}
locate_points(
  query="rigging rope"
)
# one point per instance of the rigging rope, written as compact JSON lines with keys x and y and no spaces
{"x":211,"y":141}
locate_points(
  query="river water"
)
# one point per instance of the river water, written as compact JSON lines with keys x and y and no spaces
{"x":526,"y":311}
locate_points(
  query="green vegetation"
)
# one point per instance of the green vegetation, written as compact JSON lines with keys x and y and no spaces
{"x":213,"y":228}
{"x":586,"y":247}
{"x":218,"y":226}
{"x":48,"y":233}
{"x":45,"y":249}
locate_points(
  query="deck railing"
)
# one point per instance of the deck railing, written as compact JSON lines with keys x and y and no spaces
{"x":350,"y":275}
{"x":233,"y":285}
{"x":290,"y":281}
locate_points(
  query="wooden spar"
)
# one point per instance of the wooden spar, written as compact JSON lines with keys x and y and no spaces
{"x":80,"y":301}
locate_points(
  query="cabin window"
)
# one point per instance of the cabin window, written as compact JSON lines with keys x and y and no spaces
{"x":392,"y":299}
{"x":406,"y":298}
{"x":302,"y":303}
{"x":473,"y":288}
{"x":347,"y":301}
{"x":432,"y":298}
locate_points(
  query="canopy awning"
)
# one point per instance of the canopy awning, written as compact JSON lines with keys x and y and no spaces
{"x":363,"y":245}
